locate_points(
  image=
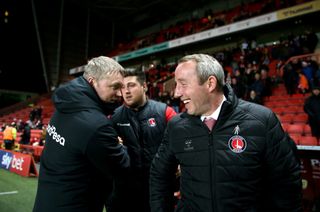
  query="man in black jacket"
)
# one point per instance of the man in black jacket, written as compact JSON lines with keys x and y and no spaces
{"x":82,"y":151}
{"x":312,"y":108}
{"x":245,"y":162}
{"x":140,"y":123}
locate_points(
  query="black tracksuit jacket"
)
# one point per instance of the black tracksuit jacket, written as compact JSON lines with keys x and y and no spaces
{"x":142,"y":133}
{"x":81,"y":153}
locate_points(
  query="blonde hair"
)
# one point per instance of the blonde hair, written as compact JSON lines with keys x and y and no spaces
{"x":100,"y":67}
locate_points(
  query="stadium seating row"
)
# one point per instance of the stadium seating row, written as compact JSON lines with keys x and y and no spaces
{"x":289,"y":109}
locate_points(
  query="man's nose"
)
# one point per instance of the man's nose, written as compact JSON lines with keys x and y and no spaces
{"x":177,"y":93}
{"x":125,"y":89}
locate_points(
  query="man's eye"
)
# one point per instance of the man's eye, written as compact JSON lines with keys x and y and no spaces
{"x":131,"y":85}
{"x":117,"y":86}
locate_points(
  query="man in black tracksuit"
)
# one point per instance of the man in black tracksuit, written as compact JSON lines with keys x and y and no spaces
{"x":82,"y":150}
{"x":140,"y":123}
{"x":244,"y":163}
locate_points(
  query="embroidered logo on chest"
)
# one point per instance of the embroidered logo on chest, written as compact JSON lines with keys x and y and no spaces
{"x":188,"y":145}
{"x":237,"y":143}
{"x":152,"y":122}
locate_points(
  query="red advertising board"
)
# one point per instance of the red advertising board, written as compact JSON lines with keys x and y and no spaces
{"x":22,"y":164}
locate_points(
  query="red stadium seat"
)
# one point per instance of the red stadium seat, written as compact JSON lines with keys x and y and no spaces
{"x":307,"y":130}
{"x":308,"y":140}
{"x":278,"y":96}
{"x":295,"y":129}
{"x":300,"y":110}
{"x":268,"y":104}
{"x":287,"y":118}
{"x":298,"y":96}
{"x":285,"y":126}
{"x":300,"y":118}
{"x":291,"y":109}
{"x":296,"y":102}
{"x":277,"y":103}
{"x":278,"y":110}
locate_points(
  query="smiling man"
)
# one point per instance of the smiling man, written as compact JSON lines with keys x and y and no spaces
{"x":245,"y":162}
{"x":140,"y":123}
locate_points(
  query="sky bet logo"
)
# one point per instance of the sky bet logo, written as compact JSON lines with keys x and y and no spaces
{"x":10,"y":161}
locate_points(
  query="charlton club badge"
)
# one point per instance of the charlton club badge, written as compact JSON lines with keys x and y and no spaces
{"x":237,"y":143}
{"x":152,"y":122}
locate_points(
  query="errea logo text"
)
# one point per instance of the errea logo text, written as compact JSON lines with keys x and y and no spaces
{"x":51,"y":130}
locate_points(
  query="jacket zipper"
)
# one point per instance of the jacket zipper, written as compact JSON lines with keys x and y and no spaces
{"x":212,"y":167}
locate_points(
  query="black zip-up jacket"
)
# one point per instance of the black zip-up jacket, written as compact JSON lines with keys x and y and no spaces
{"x":245,"y":164}
{"x":141,"y":131}
{"x":81,"y":152}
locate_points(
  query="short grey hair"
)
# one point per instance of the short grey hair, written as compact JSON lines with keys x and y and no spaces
{"x":206,"y":66}
{"x":100,"y":67}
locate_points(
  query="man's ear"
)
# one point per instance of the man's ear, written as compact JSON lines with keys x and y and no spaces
{"x":145,"y":87}
{"x":91,"y":80}
{"x":212,"y":83}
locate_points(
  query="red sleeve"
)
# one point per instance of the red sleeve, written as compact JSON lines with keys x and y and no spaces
{"x":170,"y":113}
